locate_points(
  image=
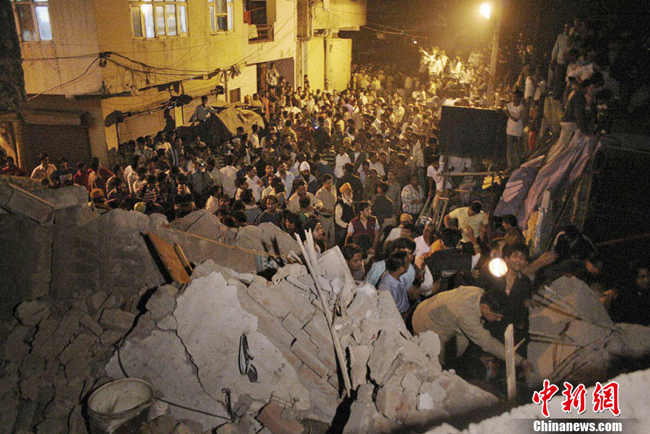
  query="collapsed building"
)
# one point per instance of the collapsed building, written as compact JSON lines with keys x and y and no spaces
{"x":231,"y":330}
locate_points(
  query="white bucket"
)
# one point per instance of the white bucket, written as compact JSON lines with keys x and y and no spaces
{"x":116,"y":403}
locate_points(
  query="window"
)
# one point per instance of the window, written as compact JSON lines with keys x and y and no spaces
{"x":158,"y":18}
{"x":221,"y":15}
{"x":33,"y":20}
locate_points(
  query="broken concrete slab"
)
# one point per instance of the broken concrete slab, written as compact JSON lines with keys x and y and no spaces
{"x":271,"y":417}
{"x":25,"y":271}
{"x":30,"y":313}
{"x":116,"y":320}
{"x":196,"y":355}
{"x":79,"y":348}
{"x":358,"y":357}
{"x":22,"y":202}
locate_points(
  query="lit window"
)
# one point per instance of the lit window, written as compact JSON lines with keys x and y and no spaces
{"x":158,"y":18}
{"x":221,"y":15}
{"x":33,"y":20}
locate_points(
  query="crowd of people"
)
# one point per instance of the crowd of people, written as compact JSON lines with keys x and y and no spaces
{"x":356,"y":168}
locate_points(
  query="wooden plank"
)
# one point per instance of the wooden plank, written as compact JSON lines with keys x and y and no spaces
{"x":169,"y":258}
{"x":181,"y":255}
{"x":510,"y":363}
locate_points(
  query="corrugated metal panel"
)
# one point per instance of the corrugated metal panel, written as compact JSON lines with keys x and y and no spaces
{"x":67,"y":141}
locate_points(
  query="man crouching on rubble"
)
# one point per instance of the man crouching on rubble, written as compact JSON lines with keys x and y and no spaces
{"x":458,"y":314}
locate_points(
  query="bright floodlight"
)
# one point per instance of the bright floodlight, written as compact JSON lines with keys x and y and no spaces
{"x":498,"y":267}
{"x":486,"y":9}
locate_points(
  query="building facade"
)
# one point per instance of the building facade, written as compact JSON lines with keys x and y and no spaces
{"x":102,"y":72}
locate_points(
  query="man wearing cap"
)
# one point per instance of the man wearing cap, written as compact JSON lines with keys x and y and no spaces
{"x":343,"y":213}
{"x":305,"y":173}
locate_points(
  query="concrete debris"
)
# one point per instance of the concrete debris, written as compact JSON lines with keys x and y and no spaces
{"x":272,"y":418}
{"x":570,"y":314}
{"x":50,"y":364}
{"x":95,"y":307}
{"x":30,"y":313}
{"x":116,"y":319}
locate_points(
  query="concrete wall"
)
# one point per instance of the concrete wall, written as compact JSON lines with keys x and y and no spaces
{"x":315,"y":63}
{"x":340,"y":63}
{"x":74,"y":46}
{"x":339,"y":14}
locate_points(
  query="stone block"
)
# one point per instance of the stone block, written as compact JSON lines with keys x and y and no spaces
{"x":95,"y":300}
{"x":162,"y":302}
{"x":168,"y":323}
{"x":187,"y":426}
{"x":429,"y":342}
{"x":25,"y":268}
{"x":393,"y":403}
{"x":384,"y":351}
{"x":362,"y":417}
{"x":308,"y":356}
{"x":30,"y":313}
{"x":162,"y":425}
{"x":271,"y":418}
{"x":91,"y":325}
{"x":15,"y":346}
{"x":362,"y":306}
{"x":80,"y":348}
{"x":322,"y":393}
{"x":117,"y":320}
{"x":109,"y":337}
{"x":294,"y":326}
{"x":359,"y":356}
{"x":18,"y":201}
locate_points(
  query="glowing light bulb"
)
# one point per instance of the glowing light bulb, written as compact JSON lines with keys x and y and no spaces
{"x":486,"y":10}
{"x":498,"y":267}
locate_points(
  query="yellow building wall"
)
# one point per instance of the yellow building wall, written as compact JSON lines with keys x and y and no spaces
{"x":73,"y":47}
{"x":339,"y":14}
{"x":340,"y":63}
{"x":282,"y":14}
{"x":315,"y":63}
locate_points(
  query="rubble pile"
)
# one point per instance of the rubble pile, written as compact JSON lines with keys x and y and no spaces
{"x":85,"y":302}
{"x":52,"y":356}
{"x":573,"y":337}
{"x":188,"y":347}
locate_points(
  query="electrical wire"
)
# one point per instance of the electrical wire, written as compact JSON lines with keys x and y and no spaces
{"x":66,"y":83}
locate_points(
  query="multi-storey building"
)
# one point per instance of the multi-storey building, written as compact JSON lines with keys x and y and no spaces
{"x":86,"y":60}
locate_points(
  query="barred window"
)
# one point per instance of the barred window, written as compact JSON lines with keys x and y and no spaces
{"x":158,"y":18}
{"x":32,"y":20}
{"x":221,"y":15}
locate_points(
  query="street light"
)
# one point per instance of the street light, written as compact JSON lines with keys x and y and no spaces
{"x":486,"y":9}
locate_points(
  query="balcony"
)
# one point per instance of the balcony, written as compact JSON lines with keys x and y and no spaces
{"x":258,"y":33}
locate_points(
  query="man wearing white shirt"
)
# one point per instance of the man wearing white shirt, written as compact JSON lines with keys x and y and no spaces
{"x":286,"y":177}
{"x":342,"y":158}
{"x":515,"y":129}
{"x":228,"y":177}
{"x":254,"y":138}
{"x":254,"y":183}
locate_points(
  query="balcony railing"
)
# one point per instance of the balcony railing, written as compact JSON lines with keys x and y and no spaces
{"x":260,"y":33}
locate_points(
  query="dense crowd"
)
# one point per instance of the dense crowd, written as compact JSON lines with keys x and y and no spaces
{"x":357,"y":168}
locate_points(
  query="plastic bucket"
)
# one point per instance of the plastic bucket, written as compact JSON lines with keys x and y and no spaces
{"x":114,"y":404}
